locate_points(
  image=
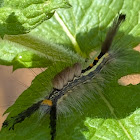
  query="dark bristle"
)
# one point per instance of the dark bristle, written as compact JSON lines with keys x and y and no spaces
{"x":122,"y":17}
{"x":112,"y":32}
{"x":53,"y":121}
{"x":5,"y":124}
{"x":109,"y":39}
{"x":21,"y":116}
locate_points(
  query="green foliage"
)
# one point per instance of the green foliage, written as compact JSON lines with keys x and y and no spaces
{"x":67,"y":37}
{"x":20,"y":17}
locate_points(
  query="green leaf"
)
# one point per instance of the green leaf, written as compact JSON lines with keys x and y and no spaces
{"x":29,"y":59}
{"x":115,"y":113}
{"x":14,"y":46}
{"x":83,"y":27}
{"x":20,"y":17}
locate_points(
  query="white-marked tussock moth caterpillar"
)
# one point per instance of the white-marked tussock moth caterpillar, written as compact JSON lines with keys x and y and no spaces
{"x":63,"y":95}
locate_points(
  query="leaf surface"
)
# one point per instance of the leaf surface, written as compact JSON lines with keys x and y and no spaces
{"x":114,"y":114}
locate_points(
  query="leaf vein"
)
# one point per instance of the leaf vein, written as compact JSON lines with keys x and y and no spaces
{"x":115,"y":116}
{"x":68,"y":33}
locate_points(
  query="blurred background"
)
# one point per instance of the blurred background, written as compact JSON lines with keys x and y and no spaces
{"x":12,"y":84}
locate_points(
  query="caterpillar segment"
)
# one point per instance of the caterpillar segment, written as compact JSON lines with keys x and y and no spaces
{"x":65,"y":81}
{"x":108,"y":40}
{"x":83,"y":78}
{"x":67,"y":75}
{"x":47,"y":102}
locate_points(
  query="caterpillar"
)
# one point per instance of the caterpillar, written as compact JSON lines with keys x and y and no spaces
{"x":65,"y":82}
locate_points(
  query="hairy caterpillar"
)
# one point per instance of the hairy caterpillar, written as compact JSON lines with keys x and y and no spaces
{"x":67,"y":80}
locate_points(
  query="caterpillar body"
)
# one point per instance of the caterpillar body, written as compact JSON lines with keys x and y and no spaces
{"x":64,"y":84}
